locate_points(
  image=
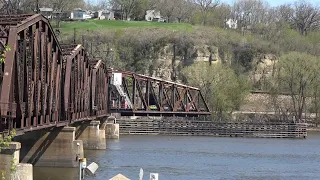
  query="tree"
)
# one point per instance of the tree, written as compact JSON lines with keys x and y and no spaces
{"x":315,"y":104}
{"x":250,"y":12}
{"x":167,"y":8}
{"x":126,"y":6}
{"x":306,"y":17}
{"x":183,"y":9}
{"x":61,"y":6}
{"x":205,"y":6}
{"x":221,"y":87}
{"x":296,"y":75}
{"x":301,"y":15}
{"x":221,"y":14}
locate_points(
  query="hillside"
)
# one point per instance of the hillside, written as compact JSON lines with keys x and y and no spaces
{"x":242,"y":61}
{"x":118,"y":24}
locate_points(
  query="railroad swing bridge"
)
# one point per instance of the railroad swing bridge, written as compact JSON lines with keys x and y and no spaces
{"x":44,"y":83}
{"x":46,"y":87}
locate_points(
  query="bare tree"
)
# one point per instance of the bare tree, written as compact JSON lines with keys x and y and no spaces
{"x":10,"y":6}
{"x":205,"y":6}
{"x":249,"y":13}
{"x":126,"y":6}
{"x":285,"y":13}
{"x":60,"y":6}
{"x":183,"y":9}
{"x":306,"y":17}
{"x":167,"y":8}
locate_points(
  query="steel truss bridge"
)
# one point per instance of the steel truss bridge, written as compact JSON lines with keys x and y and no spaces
{"x":47,"y":84}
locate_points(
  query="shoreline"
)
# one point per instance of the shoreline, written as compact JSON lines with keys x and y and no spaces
{"x":313,"y":129}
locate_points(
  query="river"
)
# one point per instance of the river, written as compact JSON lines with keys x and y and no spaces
{"x":200,"y":158}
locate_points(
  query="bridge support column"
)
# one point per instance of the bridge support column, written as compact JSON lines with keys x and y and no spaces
{"x":112,"y":128}
{"x":56,"y":147}
{"x":93,"y":137}
{"x":10,"y":167}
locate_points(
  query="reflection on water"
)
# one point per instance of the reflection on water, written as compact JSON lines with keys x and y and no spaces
{"x":205,"y":158}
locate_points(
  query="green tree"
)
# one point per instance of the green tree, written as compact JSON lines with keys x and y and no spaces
{"x":296,"y":75}
{"x":205,"y":6}
{"x":315,"y":94}
{"x":4,"y":143}
{"x":3,"y":55}
{"x":222,"y":88}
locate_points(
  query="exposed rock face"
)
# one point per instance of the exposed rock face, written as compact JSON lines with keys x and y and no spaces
{"x":170,"y":62}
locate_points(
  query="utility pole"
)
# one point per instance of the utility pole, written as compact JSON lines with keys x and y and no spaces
{"x":74,"y":35}
{"x":37,"y":7}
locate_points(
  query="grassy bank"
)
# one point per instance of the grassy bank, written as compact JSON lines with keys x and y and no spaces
{"x":117,"y":24}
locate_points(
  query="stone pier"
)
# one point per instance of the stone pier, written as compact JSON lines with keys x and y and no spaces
{"x":112,"y":128}
{"x":10,"y":167}
{"x":55,"y":147}
{"x":92,"y":136}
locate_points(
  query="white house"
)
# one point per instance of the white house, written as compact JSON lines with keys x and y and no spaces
{"x":46,"y":12}
{"x":79,"y":14}
{"x":152,"y":15}
{"x":104,"y":14}
{"x":232,"y":24}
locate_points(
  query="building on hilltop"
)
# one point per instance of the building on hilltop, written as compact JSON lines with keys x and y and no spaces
{"x":104,"y":14}
{"x":153,"y":15}
{"x":79,"y":14}
{"x":232,"y":24}
{"x":46,"y":12}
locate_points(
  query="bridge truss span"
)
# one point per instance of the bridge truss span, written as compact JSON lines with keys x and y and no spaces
{"x":30,"y":76}
{"x":148,"y":96}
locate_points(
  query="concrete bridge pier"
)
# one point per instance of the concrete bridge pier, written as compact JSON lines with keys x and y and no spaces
{"x":112,"y":128}
{"x":10,"y":168}
{"x":56,"y":147}
{"x":92,"y":136}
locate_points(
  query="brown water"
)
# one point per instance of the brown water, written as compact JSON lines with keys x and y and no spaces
{"x":205,"y":158}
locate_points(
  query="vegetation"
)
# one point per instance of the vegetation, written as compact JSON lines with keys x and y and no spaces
{"x":4,"y":143}
{"x":5,"y":140}
{"x":3,"y":55}
{"x":105,"y":25}
{"x":222,"y":88}
{"x":297,"y":74}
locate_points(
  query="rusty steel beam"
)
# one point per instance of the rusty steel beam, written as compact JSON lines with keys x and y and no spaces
{"x":76,"y":89}
{"x":153,"y":96}
{"x":30,"y":88}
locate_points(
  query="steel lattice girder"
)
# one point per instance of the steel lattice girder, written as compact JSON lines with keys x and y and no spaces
{"x":153,"y":96}
{"x":77,"y":78}
{"x":30,"y":91}
{"x":99,"y":89}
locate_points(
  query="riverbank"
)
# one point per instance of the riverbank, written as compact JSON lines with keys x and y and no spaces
{"x":184,"y":127}
{"x":313,"y":129}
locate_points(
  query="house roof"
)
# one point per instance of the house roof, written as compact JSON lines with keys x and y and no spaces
{"x":79,"y":9}
{"x":119,"y":177}
{"x":45,"y":9}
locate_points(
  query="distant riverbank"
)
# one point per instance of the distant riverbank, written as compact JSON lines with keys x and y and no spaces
{"x":313,"y":129}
